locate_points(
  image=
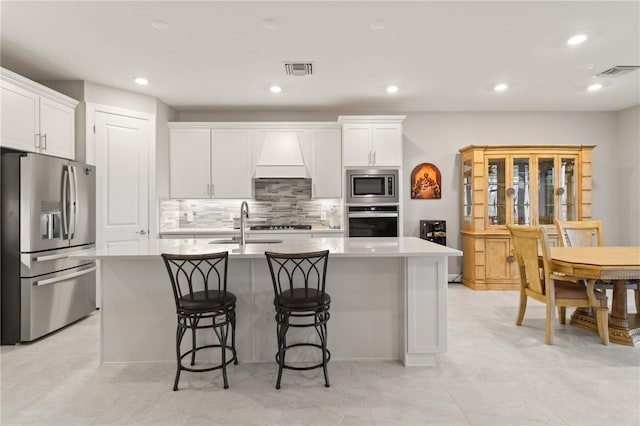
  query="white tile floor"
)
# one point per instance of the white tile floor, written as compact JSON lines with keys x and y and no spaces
{"x":494,"y":373}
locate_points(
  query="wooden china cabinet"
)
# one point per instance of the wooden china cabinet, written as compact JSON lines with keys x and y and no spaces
{"x":516,"y":184}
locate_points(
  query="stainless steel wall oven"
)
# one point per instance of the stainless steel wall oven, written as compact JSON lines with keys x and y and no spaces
{"x":373,"y":221}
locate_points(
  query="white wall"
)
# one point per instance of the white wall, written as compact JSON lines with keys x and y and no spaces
{"x":626,"y":212}
{"x":105,"y":95}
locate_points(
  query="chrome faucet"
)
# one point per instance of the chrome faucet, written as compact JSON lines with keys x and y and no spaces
{"x":244,"y":213}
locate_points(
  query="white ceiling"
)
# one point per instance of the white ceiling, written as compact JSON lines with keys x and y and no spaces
{"x":444,"y":56}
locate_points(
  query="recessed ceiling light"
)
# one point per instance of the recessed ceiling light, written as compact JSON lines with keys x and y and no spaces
{"x":141,"y":81}
{"x":392,"y":89}
{"x":500,"y":87}
{"x":577,"y":39}
{"x":159,"y":25}
{"x":377,"y":25}
{"x":594,"y":87}
{"x":275,"y":89}
{"x":269,"y":24}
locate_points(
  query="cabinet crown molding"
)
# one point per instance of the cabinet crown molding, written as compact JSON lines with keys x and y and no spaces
{"x":36,"y":88}
{"x":371,"y":119}
{"x":269,"y":125}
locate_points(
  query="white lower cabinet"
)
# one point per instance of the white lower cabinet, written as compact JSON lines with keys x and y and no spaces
{"x":36,"y":118}
{"x":210,"y":163}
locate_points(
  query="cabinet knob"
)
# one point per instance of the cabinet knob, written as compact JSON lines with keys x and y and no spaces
{"x":560,"y":191}
{"x":510,"y":259}
{"x":141,"y":232}
{"x":511,"y":192}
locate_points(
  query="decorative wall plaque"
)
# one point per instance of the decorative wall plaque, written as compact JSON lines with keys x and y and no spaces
{"x":425,"y":182}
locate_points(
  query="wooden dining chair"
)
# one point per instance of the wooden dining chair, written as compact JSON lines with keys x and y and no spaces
{"x":531,"y":247}
{"x":584,"y":233}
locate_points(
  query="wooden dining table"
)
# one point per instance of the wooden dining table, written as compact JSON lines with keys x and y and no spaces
{"x":616,"y":264}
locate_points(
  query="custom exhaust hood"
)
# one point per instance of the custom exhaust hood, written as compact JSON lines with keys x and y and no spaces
{"x":281,"y":157}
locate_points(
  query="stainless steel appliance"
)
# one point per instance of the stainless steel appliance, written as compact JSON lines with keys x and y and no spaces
{"x":48,"y":213}
{"x":372,"y":186}
{"x":373,"y":221}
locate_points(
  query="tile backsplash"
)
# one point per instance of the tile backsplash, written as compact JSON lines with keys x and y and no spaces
{"x":277,"y":202}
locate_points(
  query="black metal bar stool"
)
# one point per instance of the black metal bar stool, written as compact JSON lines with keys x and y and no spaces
{"x":299,"y":286}
{"x":199,"y":285}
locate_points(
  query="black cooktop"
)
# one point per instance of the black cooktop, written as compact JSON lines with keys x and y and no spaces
{"x":278,"y":227}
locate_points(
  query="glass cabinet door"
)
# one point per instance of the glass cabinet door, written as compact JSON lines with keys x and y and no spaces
{"x":568,"y":189}
{"x":467,"y":190}
{"x":496,"y":191}
{"x":520,"y":192}
{"x":546,"y":193}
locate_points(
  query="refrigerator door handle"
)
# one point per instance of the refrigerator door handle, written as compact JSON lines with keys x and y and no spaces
{"x":73,"y":217}
{"x":52,"y":257}
{"x":65,"y":194}
{"x":64,"y":277}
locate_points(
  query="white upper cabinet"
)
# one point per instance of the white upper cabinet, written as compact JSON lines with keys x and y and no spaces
{"x":357,"y":144}
{"x":220,"y":160}
{"x":231,"y":163}
{"x":36,"y":118}
{"x":386,"y":144}
{"x":326,"y":175}
{"x":372,"y":141}
{"x":190,"y":163}
{"x":57,"y":129}
{"x":210,"y":163}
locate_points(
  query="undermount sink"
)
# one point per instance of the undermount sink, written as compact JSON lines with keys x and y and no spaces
{"x":247,"y":241}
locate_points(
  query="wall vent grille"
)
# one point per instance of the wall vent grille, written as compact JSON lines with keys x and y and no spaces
{"x":618,"y":70}
{"x":298,"y":68}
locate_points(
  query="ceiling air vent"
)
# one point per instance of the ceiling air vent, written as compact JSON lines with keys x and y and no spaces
{"x":298,"y":68}
{"x":618,"y":70}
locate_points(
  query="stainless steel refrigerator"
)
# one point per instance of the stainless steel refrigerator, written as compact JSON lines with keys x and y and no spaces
{"x":48,"y":213}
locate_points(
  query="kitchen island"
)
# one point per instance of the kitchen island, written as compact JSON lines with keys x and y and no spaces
{"x":389,"y":298}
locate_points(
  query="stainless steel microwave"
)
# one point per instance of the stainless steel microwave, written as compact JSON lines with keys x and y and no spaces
{"x":372,"y":186}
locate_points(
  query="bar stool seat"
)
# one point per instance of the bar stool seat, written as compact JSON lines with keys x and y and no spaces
{"x":199,"y":284}
{"x":300,"y":301}
{"x":300,"y":298}
{"x":207,"y":301}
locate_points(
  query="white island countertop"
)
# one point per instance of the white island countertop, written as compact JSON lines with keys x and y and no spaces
{"x":339,"y":247}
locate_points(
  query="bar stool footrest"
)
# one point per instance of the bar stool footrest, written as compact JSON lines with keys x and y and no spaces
{"x":310,"y":367}
{"x":216,"y":367}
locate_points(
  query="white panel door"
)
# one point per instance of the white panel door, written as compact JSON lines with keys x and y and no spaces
{"x":231,"y":163}
{"x":57,"y":129}
{"x":387,"y":145}
{"x":356,"y":145}
{"x":190,"y":163}
{"x":327,"y":166}
{"x":20,"y":118}
{"x":122,"y":177}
